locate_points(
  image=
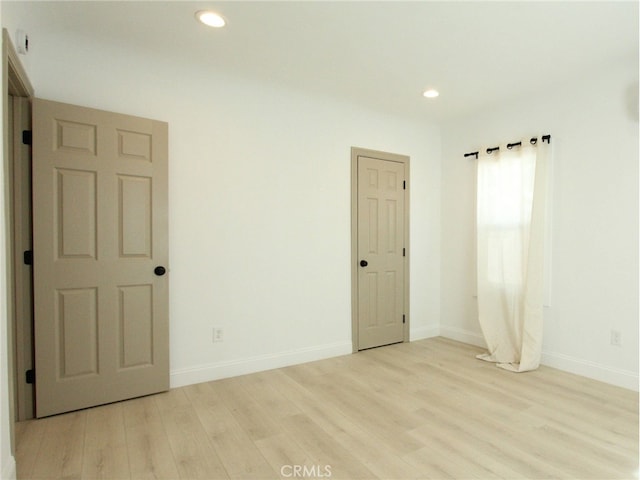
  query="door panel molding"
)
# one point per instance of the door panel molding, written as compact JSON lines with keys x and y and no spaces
{"x":100,"y":188}
{"x":356,"y":154}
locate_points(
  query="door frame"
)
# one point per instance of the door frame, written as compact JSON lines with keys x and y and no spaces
{"x":392,"y":157}
{"x":15,"y":82}
{"x":22,"y":231}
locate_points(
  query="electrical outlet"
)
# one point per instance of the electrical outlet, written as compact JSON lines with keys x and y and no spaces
{"x":218,"y":335}
{"x":616,"y":338}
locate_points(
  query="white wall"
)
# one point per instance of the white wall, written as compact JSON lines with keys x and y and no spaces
{"x":7,"y":461}
{"x":259,"y":185}
{"x":594,"y":286}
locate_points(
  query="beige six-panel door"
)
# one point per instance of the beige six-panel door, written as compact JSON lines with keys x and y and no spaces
{"x":100,"y":231}
{"x":381,"y":251}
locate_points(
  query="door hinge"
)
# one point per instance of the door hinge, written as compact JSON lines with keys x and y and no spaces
{"x":404,"y":184}
{"x":30,"y":376}
{"x":404,"y":252}
{"x":404,"y":320}
{"x":27,"y":257}
{"x":27,"y":137}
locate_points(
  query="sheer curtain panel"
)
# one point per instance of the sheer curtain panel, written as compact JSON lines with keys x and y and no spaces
{"x":511,"y":221}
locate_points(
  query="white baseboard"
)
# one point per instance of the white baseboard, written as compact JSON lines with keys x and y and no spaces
{"x":464,"y":336}
{"x":206,"y":373}
{"x":8,"y":469}
{"x":421,"y":333}
{"x":578,"y":366}
{"x":232,"y":368}
{"x":614,"y":376}
{"x":216,"y":371}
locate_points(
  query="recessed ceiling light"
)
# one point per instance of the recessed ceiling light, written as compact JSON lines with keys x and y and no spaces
{"x":431,"y":93}
{"x":210,"y":18}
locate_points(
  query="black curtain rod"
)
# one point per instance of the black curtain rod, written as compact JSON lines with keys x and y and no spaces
{"x":533,"y":141}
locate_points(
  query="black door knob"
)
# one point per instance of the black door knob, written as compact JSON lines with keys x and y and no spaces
{"x":159,"y":271}
{"x":363,"y":263}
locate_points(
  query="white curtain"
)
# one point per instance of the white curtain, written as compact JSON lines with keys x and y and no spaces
{"x":511,"y":210}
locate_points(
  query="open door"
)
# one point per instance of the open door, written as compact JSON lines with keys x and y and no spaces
{"x":100,"y":243}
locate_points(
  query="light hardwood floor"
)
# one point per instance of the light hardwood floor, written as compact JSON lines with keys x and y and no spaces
{"x":426,"y":409}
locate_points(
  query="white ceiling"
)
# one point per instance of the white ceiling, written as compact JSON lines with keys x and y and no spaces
{"x":380,"y":54}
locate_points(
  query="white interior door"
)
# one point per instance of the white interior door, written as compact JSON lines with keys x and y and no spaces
{"x":100,"y":232}
{"x":381,"y":252}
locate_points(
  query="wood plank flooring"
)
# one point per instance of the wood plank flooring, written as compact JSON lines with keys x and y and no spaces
{"x":421,"y":410}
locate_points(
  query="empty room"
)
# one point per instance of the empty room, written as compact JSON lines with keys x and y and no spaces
{"x":319,"y":239}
